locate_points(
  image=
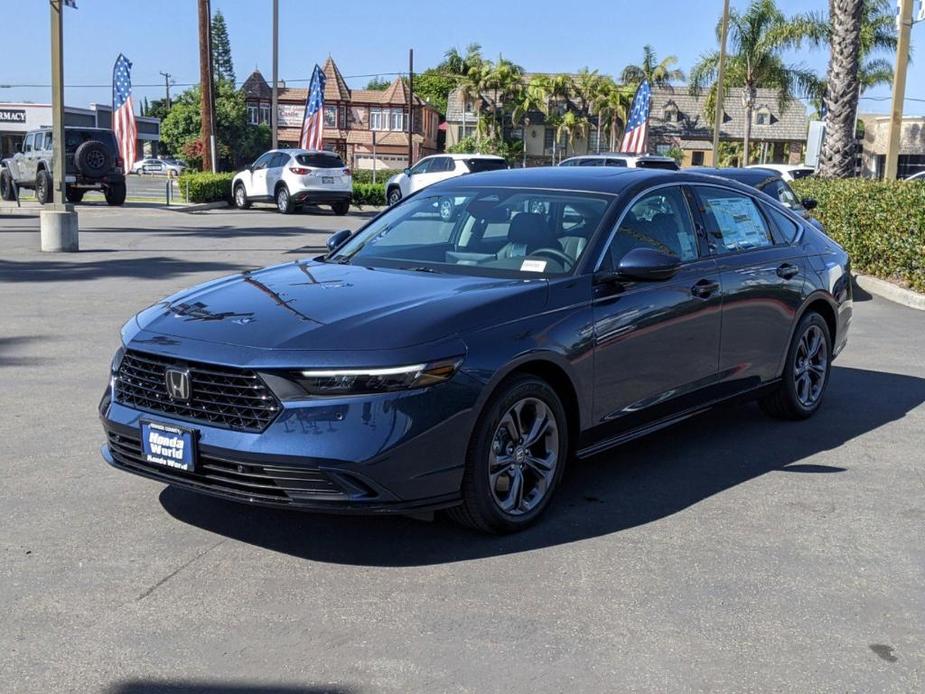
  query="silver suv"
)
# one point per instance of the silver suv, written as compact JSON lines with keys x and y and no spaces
{"x":91,"y":162}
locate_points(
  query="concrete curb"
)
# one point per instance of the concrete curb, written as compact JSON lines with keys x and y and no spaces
{"x":198,"y":207}
{"x":891,"y":292}
{"x":25,"y":210}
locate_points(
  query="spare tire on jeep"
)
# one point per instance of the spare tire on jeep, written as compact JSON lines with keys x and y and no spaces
{"x":93,"y":159}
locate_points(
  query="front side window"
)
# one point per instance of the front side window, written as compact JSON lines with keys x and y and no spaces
{"x":502,"y":231}
{"x":263,"y":161}
{"x":421,"y":167}
{"x":660,"y":220}
{"x":27,"y":145}
{"x":734,"y":221}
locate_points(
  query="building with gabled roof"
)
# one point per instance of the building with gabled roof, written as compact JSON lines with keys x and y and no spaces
{"x":359,"y":124}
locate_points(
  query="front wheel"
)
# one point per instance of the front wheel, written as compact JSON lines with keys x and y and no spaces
{"x":806,"y":372}
{"x":115,"y":194}
{"x":43,"y":187}
{"x":515,"y":459}
{"x":6,"y":186}
{"x":240,"y":197}
{"x":284,"y":200}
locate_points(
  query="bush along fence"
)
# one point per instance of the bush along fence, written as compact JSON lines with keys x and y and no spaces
{"x":197,"y":187}
{"x":881,"y":224}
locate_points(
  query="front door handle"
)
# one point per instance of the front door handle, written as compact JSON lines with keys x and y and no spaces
{"x":704,"y":289}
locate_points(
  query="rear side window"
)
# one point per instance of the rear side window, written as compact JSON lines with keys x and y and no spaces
{"x":787,"y":227}
{"x":734,"y":221}
{"x":797,"y":174}
{"x":656,"y":164}
{"x":321,"y":160}
{"x":477,"y":165}
{"x":617,"y":162}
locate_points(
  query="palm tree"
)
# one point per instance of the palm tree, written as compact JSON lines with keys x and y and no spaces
{"x":504,"y":80}
{"x":836,"y":159}
{"x":659,"y":73}
{"x":756,"y":40}
{"x":559,"y":89}
{"x":531,"y":98}
{"x":459,"y":67}
{"x":588,"y":87}
{"x":572,"y":127}
{"x":612,"y":105}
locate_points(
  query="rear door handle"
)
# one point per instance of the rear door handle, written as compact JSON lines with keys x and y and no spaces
{"x":704,"y":289}
{"x":788,"y":270}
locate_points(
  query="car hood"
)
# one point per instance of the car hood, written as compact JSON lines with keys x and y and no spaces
{"x":321,"y":306}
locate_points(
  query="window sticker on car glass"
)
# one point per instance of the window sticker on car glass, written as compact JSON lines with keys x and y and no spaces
{"x":533,"y":266}
{"x":739,"y":221}
{"x":686,"y":242}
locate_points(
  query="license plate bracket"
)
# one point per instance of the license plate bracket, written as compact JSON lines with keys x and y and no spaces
{"x":327,"y":180}
{"x":168,"y":445}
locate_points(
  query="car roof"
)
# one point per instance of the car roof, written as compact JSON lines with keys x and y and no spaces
{"x":781,"y":167}
{"x":751,"y":176}
{"x":620,"y":155}
{"x":591,"y":179}
{"x":456,"y":156}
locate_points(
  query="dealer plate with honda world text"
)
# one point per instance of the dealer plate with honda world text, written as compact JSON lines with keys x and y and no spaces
{"x":168,"y":445}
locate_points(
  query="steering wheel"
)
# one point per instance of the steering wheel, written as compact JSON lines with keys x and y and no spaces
{"x":567,"y":261}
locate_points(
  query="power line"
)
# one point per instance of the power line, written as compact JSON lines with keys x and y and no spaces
{"x":185,"y":84}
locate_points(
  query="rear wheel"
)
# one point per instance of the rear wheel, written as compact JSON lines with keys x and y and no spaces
{"x":240,"y":197}
{"x":515,"y":459}
{"x":341,"y":208}
{"x":74,"y":195}
{"x":284,"y":200}
{"x":394,"y":196}
{"x":43,"y":187}
{"x":806,"y":372}
{"x":115,"y":194}
{"x":6,"y":186}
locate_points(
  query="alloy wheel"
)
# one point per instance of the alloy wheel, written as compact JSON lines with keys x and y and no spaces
{"x":446,"y":209}
{"x":810,"y":366}
{"x":239,"y":196}
{"x":523,"y":458}
{"x":282,"y":199}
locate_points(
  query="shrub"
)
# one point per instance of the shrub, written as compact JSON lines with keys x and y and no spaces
{"x":205,"y":186}
{"x":368,"y":193}
{"x":881,"y":224}
{"x":366,"y":175}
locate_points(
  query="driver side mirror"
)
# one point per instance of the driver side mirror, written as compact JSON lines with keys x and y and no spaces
{"x":408,"y":171}
{"x":338,"y":239}
{"x":645,"y":264}
{"x":809,"y":203}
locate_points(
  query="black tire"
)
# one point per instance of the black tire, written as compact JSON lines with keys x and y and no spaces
{"x":93,"y":159}
{"x":480,"y":508}
{"x":447,"y":209}
{"x":341,"y":207}
{"x":115,"y":194}
{"x":74,"y":195}
{"x":788,"y":400}
{"x":6,"y":186}
{"x":284,"y":201}
{"x":240,"y":197}
{"x":394,"y":196}
{"x":43,"y":187}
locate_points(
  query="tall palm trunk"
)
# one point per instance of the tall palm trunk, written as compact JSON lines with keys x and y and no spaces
{"x":836,"y":160}
{"x":749,"y":94}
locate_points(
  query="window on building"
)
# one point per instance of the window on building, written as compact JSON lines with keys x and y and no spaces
{"x":264,"y":114}
{"x":671,"y":114}
{"x":330,"y":116}
{"x":376,"y":120}
{"x":548,"y":138}
{"x":252,"y":115}
{"x":763,"y":116}
{"x":697,"y":158}
{"x":396,"y":120}
{"x":342,"y":115}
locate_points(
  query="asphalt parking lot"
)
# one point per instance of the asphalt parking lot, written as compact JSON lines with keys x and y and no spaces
{"x":730,"y":553}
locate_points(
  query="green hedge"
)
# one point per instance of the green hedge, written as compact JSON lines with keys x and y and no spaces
{"x":366,"y":175}
{"x":881,"y":224}
{"x":205,"y":186}
{"x":368,"y":193}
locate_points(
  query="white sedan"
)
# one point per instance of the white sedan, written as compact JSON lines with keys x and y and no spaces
{"x":151,"y":165}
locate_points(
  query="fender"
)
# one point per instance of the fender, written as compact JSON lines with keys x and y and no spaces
{"x":810,"y":299}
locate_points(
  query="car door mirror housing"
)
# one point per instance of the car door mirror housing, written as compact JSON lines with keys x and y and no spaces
{"x":809,"y":203}
{"x":407,"y":171}
{"x":337,"y":239}
{"x":647,"y":264}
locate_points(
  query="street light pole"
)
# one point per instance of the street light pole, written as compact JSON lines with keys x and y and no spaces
{"x":720,"y":75}
{"x":275,"y":100}
{"x":899,"y":88}
{"x":167,"y":77}
{"x":205,"y":85}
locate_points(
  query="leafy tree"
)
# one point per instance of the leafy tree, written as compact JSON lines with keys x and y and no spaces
{"x":156,"y":109}
{"x":434,"y":86}
{"x":237,"y":141}
{"x":378,"y":84}
{"x":660,"y":73}
{"x":757,"y":38}
{"x":222,"y":64}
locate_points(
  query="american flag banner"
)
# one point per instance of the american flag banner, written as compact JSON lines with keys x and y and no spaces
{"x":313,"y":122}
{"x":634,"y":139}
{"x":123,"y":111}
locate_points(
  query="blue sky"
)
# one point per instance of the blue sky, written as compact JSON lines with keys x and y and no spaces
{"x":366,"y":37}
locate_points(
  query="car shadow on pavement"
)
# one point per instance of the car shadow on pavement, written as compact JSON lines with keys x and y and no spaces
{"x":157,"y":268}
{"x":638,"y":483}
{"x":218,"y":687}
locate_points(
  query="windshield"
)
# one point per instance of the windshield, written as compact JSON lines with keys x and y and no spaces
{"x":482,"y":231}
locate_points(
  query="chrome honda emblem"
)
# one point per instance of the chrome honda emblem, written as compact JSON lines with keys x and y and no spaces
{"x":178,"y":385}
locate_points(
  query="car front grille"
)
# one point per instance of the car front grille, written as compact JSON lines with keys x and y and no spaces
{"x":219,"y":396}
{"x":247,"y":481}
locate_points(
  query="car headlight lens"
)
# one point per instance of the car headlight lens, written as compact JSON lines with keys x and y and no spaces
{"x":117,"y":360}
{"x":375,"y":380}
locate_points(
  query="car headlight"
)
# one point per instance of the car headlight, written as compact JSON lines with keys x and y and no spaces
{"x":117,"y":360}
{"x":376,"y":380}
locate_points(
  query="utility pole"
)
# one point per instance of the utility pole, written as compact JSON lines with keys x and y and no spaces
{"x":58,"y":225}
{"x":720,"y":76}
{"x":904,"y":24}
{"x":410,"y":107}
{"x":205,"y":85}
{"x":274,"y":107}
{"x":167,"y":84}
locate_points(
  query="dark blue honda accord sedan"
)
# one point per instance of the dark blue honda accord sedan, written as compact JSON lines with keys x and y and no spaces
{"x":464,"y":346}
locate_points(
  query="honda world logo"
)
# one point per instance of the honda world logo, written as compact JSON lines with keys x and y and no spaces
{"x":178,"y":385}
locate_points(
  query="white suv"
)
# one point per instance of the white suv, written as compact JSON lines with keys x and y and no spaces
{"x":632,"y":161}
{"x":295,"y":177}
{"x":439,"y":167}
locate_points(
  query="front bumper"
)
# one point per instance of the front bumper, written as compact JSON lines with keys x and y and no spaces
{"x":398,"y":452}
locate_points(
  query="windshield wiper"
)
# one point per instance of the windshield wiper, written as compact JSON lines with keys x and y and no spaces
{"x":421,"y":268}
